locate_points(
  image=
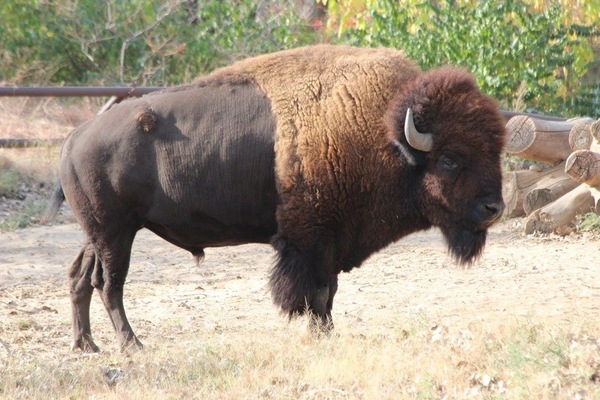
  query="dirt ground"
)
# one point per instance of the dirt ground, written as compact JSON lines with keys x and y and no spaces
{"x":547,"y":280}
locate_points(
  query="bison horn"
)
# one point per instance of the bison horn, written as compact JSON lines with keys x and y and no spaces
{"x":417,"y":140}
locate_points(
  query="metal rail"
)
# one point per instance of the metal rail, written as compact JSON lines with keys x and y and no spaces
{"x":77,"y":91}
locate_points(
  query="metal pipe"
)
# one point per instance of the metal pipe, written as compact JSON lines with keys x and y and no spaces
{"x":66,"y":91}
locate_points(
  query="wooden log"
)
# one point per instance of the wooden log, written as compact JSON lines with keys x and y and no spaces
{"x":584,"y":167}
{"x":548,"y":190}
{"x":516,"y":185}
{"x":513,"y":198}
{"x":540,"y":140}
{"x":580,"y":136}
{"x":596,"y":195}
{"x":559,"y":215}
{"x":595,"y":130}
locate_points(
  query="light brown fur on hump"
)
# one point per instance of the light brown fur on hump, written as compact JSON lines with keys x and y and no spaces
{"x":329,"y":102}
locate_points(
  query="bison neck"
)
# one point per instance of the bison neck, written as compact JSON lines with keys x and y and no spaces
{"x":387,"y":214}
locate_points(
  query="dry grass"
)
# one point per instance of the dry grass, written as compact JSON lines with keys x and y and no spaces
{"x":419,"y":360}
{"x":43,"y":118}
{"x":26,"y":179}
{"x":36,"y":118}
{"x":31,"y":118}
{"x":27,"y":175}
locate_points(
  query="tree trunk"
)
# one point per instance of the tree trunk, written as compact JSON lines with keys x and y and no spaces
{"x":559,"y":215}
{"x":509,"y":114}
{"x":540,"y":140}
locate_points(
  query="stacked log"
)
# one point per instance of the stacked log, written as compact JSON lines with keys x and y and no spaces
{"x":569,"y":185}
{"x":526,"y":191}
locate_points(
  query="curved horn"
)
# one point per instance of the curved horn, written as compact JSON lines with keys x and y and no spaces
{"x":417,"y":140}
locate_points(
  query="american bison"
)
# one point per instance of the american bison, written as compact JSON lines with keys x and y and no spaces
{"x":329,"y":153}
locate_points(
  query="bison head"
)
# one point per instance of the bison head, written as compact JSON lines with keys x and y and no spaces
{"x":452,"y":135}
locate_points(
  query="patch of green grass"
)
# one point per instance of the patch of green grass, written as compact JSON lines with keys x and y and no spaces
{"x":27,"y":216}
{"x":17,"y":183}
{"x":590,"y":222}
{"x":9,"y":182}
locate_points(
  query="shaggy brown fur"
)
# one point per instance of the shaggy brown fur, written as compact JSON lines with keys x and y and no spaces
{"x":468,"y":128}
{"x":331,"y":141}
{"x":329,"y":100}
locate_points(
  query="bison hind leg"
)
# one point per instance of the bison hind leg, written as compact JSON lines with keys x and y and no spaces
{"x":81,"y":288}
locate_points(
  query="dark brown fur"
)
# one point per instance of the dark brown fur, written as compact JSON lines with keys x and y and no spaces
{"x":467,"y":126}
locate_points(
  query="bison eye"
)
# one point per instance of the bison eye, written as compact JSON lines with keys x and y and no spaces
{"x":448,"y":164}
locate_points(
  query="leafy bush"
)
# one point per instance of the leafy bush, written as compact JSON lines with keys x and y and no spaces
{"x":526,"y":57}
{"x":150,"y":42}
{"x":509,"y":48}
{"x":9,"y":183}
{"x":590,"y":222}
{"x":23,"y":217}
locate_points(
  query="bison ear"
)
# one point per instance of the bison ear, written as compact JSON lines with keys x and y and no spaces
{"x":416,"y":140}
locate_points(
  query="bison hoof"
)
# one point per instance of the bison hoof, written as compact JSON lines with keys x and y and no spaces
{"x":85,"y":345}
{"x":320,"y":325}
{"x":131,"y":346}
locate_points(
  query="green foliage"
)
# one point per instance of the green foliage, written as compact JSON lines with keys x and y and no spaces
{"x":25,"y":217}
{"x":9,"y":183}
{"x":227,"y":31}
{"x":590,"y":222}
{"x":507,"y":46}
{"x":141,"y":42}
{"x":526,"y":57}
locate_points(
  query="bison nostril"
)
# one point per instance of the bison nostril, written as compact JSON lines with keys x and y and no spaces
{"x":494,"y":210}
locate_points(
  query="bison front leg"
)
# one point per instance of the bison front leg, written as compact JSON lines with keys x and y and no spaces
{"x":300,"y":283}
{"x":80,"y":283}
{"x":321,"y":305}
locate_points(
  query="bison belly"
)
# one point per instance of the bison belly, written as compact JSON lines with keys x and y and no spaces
{"x":196,"y":166}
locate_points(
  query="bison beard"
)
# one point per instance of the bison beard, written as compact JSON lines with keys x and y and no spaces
{"x":464,"y":245}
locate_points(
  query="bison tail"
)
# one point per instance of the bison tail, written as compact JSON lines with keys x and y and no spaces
{"x":58,"y":197}
{"x":292,"y":283}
